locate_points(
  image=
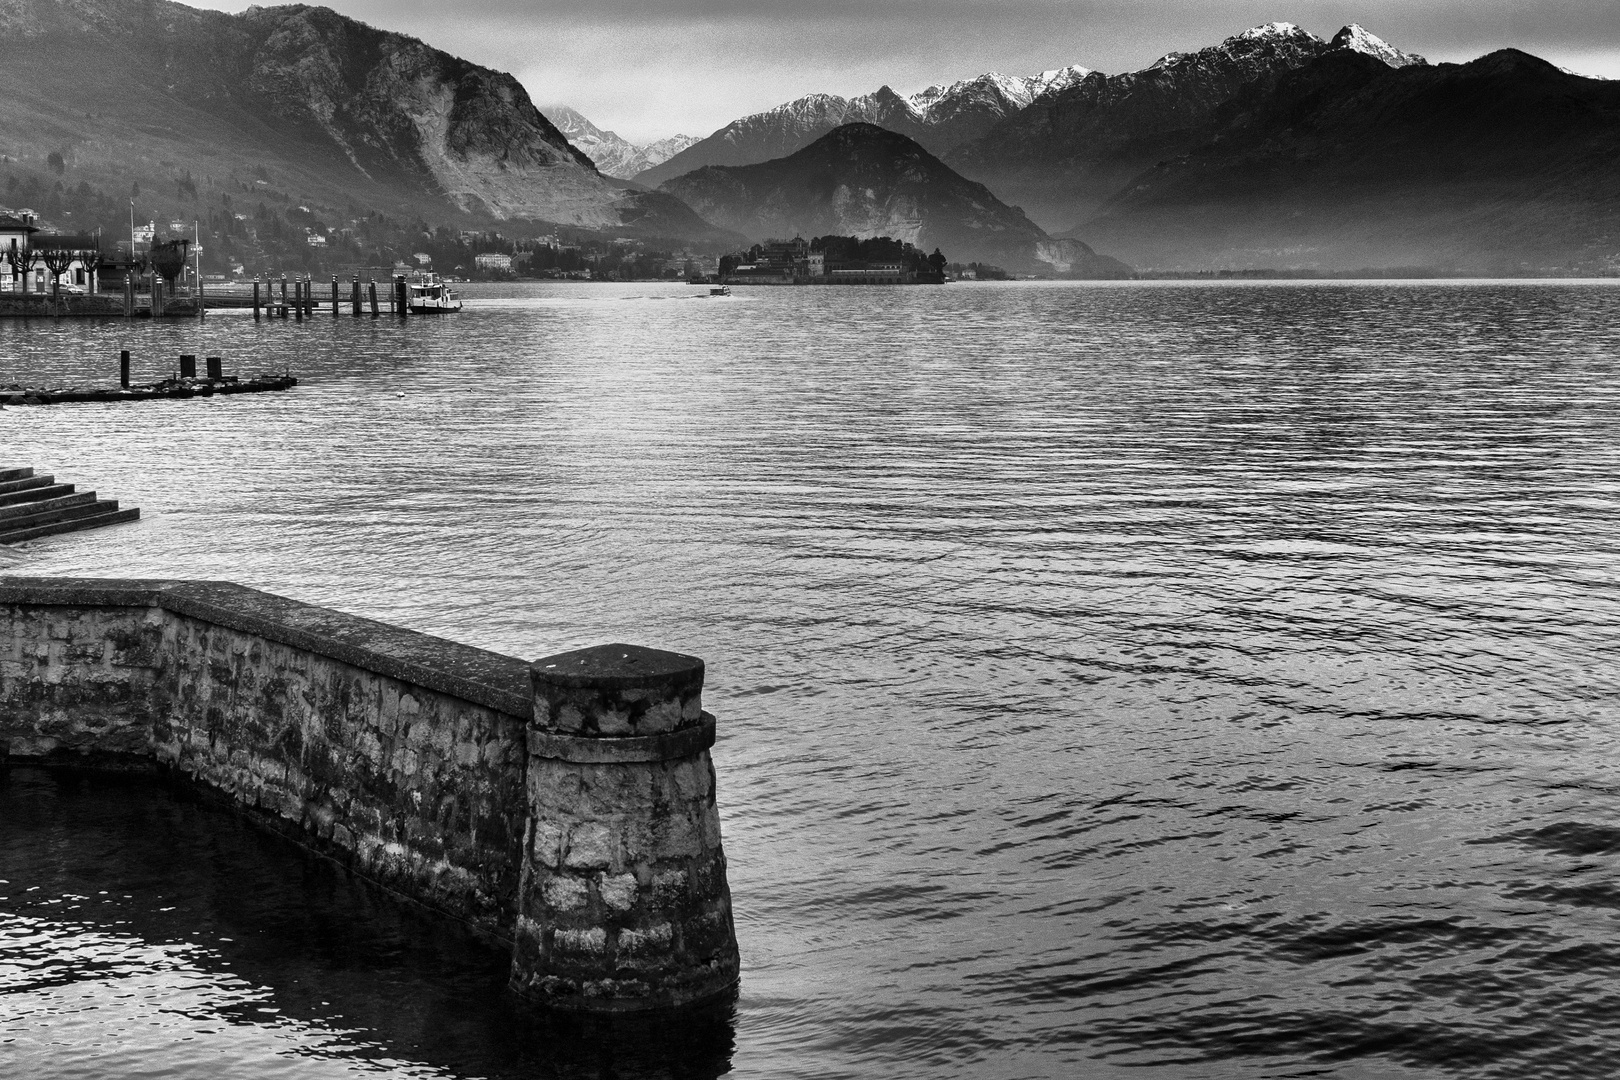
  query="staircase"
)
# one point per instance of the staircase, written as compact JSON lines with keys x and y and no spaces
{"x":34,"y":506}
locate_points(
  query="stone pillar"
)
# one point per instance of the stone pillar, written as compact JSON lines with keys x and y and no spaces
{"x":623,"y":904}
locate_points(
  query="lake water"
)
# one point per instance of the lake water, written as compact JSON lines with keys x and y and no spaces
{"x":1129,"y":680}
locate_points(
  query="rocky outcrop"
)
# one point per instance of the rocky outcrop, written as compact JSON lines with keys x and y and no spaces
{"x":316,"y":101}
{"x":863,"y":180}
{"x":938,"y":118}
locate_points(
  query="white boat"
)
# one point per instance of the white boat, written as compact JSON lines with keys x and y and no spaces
{"x":427,"y":294}
{"x":723,"y":290}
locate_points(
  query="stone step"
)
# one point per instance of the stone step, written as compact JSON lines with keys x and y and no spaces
{"x":42,"y":506}
{"x":15,"y":474}
{"x":115,"y":517}
{"x":23,"y":483}
{"x":51,"y":517}
{"x":34,"y":494}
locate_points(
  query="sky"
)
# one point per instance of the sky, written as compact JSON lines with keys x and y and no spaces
{"x":652,"y":68}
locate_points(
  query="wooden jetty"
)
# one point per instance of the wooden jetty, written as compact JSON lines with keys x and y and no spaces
{"x":159,"y":391}
{"x":35,"y":506}
{"x":185,"y":384}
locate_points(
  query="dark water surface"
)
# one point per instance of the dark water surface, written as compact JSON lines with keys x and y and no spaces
{"x":1135,"y":680}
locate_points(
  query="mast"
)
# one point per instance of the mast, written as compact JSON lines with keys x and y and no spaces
{"x":196,"y":262}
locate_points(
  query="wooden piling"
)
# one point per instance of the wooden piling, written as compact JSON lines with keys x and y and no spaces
{"x":129,"y":296}
{"x":255,"y":299}
{"x":284,"y":311}
{"x":298,"y":301}
{"x":188,"y":366}
{"x":402,"y":295}
{"x":371,"y":290}
{"x":216,"y":368}
{"x":123,"y":368}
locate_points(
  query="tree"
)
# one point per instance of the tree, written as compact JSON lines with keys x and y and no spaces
{"x":22,"y":260}
{"x":57,"y":260}
{"x":937,"y":261}
{"x":169,"y":259}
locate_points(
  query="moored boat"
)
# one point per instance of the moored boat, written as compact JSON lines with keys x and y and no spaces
{"x":427,"y":294}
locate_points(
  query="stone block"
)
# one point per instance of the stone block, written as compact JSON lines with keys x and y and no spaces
{"x":591,"y":942}
{"x":590,"y":846}
{"x":565,"y":894}
{"x":654,"y":940}
{"x":619,"y":892}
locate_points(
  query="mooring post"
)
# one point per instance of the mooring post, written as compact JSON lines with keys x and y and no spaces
{"x":123,"y":369}
{"x":371,"y":291}
{"x":255,"y":299}
{"x":129,"y":295}
{"x":298,"y":301}
{"x":335,"y":311}
{"x":188,"y":365}
{"x":623,"y":903}
{"x":284,"y":311}
{"x":216,"y":369}
{"x":354,"y":295}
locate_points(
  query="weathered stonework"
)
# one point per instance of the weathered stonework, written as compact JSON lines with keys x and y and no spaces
{"x":580,"y":824}
{"x":624,"y":899}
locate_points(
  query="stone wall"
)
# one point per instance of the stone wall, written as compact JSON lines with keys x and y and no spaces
{"x":585,"y":830}
{"x":399,"y":753}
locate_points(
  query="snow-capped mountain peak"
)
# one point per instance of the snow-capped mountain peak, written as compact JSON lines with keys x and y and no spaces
{"x":1273,"y":30}
{"x":614,"y":155}
{"x":1357,"y":39}
{"x":1056,"y":79}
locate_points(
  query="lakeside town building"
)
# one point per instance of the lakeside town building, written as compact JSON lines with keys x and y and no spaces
{"x":19,"y":237}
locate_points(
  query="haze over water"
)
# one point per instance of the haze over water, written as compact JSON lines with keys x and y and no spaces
{"x":1151,"y":680}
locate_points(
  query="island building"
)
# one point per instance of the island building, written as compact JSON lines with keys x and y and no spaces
{"x":797,"y":262}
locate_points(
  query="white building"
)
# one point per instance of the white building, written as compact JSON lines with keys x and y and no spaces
{"x":493,"y":260}
{"x":17,"y":230}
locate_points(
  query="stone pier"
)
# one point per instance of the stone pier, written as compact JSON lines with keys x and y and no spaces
{"x":565,"y":807}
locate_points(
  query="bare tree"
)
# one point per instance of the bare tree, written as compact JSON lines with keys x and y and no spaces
{"x":57,"y":260}
{"x":23,"y":260}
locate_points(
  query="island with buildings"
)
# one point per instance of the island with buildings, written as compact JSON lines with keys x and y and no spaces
{"x":833,"y":260}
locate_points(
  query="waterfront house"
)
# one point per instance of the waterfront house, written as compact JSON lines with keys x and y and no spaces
{"x":81,"y":250}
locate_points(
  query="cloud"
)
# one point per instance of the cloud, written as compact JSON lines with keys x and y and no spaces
{"x":649,"y":68}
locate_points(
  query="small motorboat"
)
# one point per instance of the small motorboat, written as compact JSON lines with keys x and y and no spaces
{"x":427,"y":294}
{"x":720,"y":290}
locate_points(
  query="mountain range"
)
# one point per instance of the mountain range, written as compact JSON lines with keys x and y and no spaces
{"x":939,"y":118}
{"x":1273,"y":148}
{"x":1077,"y":146}
{"x":302,"y":101}
{"x":1504,"y":165}
{"x":864,"y":180}
{"x":612,"y":154}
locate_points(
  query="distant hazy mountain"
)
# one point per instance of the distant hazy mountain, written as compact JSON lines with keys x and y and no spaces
{"x":1068,"y":152}
{"x":314,"y":104}
{"x":613,"y":154}
{"x":1502,"y":165}
{"x":939,"y":118}
{"x":863,"y":180}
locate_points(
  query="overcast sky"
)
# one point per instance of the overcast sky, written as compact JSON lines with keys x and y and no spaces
{"x":651,"y":68}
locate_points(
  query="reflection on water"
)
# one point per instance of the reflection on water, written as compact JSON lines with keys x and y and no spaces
{"x":1159,"y":680}
{"x":163,"y":937}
